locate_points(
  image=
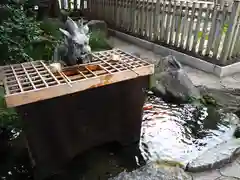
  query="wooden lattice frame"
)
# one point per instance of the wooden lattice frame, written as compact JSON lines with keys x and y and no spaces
{"x":34,"y":81}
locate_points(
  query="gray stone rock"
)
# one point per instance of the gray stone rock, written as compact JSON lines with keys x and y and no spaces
{"x":216,"y":157}
{"x":171,"y":81}
{"x":154,"y":171}
{"x":98,"y":25}
{"x":231,"y":170}
{"x":206,"y":175}
{"x":237,"y":132}
{"x":228,"y":99}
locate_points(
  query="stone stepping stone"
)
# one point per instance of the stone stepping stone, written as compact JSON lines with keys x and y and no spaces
{"x":231,"y":170}
{"x":154,"y":171}
{"x":206,"y":175}
{"x":216,"y":157}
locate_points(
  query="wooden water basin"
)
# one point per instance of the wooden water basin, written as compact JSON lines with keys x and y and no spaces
{"x":79,"y":108}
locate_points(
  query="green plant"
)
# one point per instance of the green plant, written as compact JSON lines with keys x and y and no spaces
{"x":98,"y":41}
{"x":17,"y":32}
{"x":8,"y":117}
{"x":22,"y":38}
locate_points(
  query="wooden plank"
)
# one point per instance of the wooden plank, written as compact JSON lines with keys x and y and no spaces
{"x":29,"y":78}
{"x":75,"y":5}
{"x":19,"y":84}
{"x":173,"y":24}
{"x":45,"y":66}
{"x":80,"y":85}
{"x":204,"y":33}
{"x":197,"y":29}
{"x":69,"y":4}
{"x":190,"y":28}
{"x":43,"y":80}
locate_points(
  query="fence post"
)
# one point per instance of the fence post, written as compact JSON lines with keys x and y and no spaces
{"x":63,"y":4}
{"x":82,"y":5}
{"x":235,"y":37}
{"x":213,"y":28}
{"x":75,"y":5}
{"x":69,"y":5}
{"x":230,"y":32}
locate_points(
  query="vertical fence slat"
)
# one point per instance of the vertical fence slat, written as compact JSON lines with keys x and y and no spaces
{"x":168,"y":18}
{"x":204,"y":30}
{"x":69,"y":4}
{"x":137,"y":14}
{"x":133,"y":11}
{"x":236,"y":50}
{"x":230,"y":31}
{"x":178,"y":24}
{"x":183,"y":25}
{"x":163,"y":20}
{"x":219,"y":30}
{"x":212,"y":29}
{"x":190,"y":29}
{"x":235,"y":37}
{"x":199,"y":19}
{"x":172,"y":31}
{"x":120,"y":12}
{"x":146,"y":18}
{"x":81,"y":4}
{"x":75,"y":4}
{"x":142,"y":18}
{"x":130,"y":13}
{"x":115,"y":12}
{"x":151,"y":19}
{"x":63,"y":6}
{"x":127,"y":15}
{"x":160,"y":20}
{"x":156,"y":20}
{"x":110,"y":7}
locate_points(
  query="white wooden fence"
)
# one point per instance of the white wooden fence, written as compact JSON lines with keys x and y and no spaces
{"x":199,"y":28}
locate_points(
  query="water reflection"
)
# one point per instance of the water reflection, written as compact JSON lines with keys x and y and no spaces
{"x":169,"y":132}
{"x":181,"y":132}
{"x":14,"y":161}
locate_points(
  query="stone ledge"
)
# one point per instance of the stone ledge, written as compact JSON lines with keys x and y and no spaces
{"x":216,"y":157}
{"x":183,"y":58}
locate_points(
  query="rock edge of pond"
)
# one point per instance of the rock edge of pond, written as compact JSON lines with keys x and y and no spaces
{"x":216,"y":157}
{"x":225,"y":152}
{"x":154,"y":171}
{"x":211,"y":159}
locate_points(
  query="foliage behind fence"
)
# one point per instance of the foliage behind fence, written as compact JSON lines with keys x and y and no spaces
{"x":199,"y":28}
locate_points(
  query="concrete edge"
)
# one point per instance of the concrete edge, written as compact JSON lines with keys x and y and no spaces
{"x":216,"y":165}
{"x":183,"y":58}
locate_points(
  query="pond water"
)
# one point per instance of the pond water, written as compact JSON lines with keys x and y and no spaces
{"x":169,"y":132}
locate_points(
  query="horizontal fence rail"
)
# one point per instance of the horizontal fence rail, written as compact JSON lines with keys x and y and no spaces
{"x":200,"y":28}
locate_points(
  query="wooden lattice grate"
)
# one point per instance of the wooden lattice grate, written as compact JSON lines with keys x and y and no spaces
{"x":33,"y":81}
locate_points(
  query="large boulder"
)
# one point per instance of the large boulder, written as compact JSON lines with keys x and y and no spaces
{"x":171,"y":82}
{"x":98,"y":25}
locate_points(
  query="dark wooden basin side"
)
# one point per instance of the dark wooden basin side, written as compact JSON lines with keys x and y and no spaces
{"x":58,"y":129}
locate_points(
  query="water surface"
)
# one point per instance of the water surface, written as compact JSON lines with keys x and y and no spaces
{"x":182,"y":132}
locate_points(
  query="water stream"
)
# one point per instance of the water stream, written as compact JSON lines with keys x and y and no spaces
{"x":169,"y":132}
